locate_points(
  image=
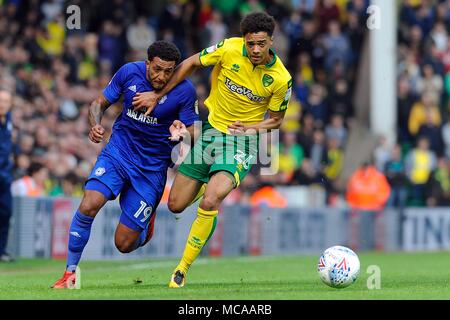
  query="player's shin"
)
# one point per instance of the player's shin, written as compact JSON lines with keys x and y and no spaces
{"x":79,"y":233}
{"x":201,"y":230}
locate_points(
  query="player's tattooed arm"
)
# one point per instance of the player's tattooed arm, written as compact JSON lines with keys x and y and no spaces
{"x":96,"y":111}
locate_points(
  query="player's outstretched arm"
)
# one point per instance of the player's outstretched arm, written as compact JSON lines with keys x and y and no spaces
{"x":150,"y":99}
{"x":96,"y":111}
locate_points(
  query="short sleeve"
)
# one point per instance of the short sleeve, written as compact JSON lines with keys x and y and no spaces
{"x":281,"y":96}
{"x":114,"y":89}
{"x":188,"y":112}
{"x":213,"y":54}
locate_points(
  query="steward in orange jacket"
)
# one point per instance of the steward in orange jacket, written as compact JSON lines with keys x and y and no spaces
{"x":367,"y":189}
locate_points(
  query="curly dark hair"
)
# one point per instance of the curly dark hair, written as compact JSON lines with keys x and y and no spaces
{"x":257,"y":22}
{"x":164,"y":50}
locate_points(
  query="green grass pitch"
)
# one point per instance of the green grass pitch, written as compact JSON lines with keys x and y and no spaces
{"x":403,"y":276}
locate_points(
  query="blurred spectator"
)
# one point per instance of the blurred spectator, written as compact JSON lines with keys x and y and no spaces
{"x":300,"y":89}
{"x":445,"y":134}
{"x":318,"y":151}
{"x":305,"y":70}
{"x":439,"y":36}
{"x":405,"y":100}
{"x":294,"y":30}
{"x":205,"y":14}
{"x":367,"y":189}
{"x":382,"y":153}
{"x":419,"y":164}
{"x":342,"y":101}
{"x":52,"y":9}
{"x":110,"y":47}
{"x":249,"y":6}
{"x":431,"y":84}
{"x":327,"y":11}
{"x":307,"y":175}
{"x":291,"y":155}
{"x":335,"y":160}
{"x":306,"y":133}
{"x":268,"y":196}
{"x":51,"y":39}
{"x":336,"y":130}
{"x":432,"y":132}
{"x":421,"y":111}
{"x":317,"y":106}
{"x":172,"y":26}
{"x":356,"y":36}
{"x":72,"y":186}
{"x":409,"y":68}
{"x":140,"y":35}
{"x":395,"y":173}
{"x":33,"y":184}
{"x":337,"y":47}
{"x":438,"y":185}
{"x":216,"y":28}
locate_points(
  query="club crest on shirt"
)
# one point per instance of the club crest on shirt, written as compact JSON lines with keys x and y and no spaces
{"x":163,"y":99}
{"x":100,"y":171}
{"x":267,"y":80}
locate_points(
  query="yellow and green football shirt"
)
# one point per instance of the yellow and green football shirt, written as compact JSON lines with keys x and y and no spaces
{"x":240,"y":90}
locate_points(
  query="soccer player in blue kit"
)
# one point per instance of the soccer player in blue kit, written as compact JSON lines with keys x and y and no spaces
{"x":134,"y":163}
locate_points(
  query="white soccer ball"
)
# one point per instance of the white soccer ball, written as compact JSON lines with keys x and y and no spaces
{"x":338,"y":267}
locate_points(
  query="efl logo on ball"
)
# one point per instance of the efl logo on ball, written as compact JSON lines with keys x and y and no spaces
{"x":338,"y":267}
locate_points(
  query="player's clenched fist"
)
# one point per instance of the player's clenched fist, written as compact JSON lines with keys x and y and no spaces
{"x":96,"y":133}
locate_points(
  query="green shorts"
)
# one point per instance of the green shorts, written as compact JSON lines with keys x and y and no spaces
{"x":215,"y":151}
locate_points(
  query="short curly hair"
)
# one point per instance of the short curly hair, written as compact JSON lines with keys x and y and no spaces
{"x":164,"y":50}
{"x":258,"y":22}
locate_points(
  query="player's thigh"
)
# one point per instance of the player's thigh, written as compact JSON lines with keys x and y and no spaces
{"x":183,"y":191}
{"x":104,"y":183}
{"x":140,"y":199}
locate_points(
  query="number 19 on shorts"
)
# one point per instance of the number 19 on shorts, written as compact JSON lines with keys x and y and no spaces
{"x":147,"y":211}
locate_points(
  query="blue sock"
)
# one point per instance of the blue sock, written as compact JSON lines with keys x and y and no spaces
{"x":79,"y":233}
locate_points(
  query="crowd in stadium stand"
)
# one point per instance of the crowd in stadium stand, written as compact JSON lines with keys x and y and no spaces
{"x":55,"y":73}
{"x":417,"y":167}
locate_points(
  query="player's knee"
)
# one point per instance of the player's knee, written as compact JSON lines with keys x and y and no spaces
{"x":175,"y":206}
{"x":210,"y":202}
{"x":89,"y":207}
{"x":125,"y":246}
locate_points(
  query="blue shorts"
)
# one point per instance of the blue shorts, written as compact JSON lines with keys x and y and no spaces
{"x":139,"y":193}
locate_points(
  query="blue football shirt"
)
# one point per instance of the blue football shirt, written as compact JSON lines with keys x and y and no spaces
{"x":144,"y":141}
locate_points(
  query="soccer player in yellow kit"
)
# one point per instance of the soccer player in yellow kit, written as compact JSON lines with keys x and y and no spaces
{"x":248,"y":81}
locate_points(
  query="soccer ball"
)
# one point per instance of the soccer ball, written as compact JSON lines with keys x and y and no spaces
{"x":338,"y":267}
